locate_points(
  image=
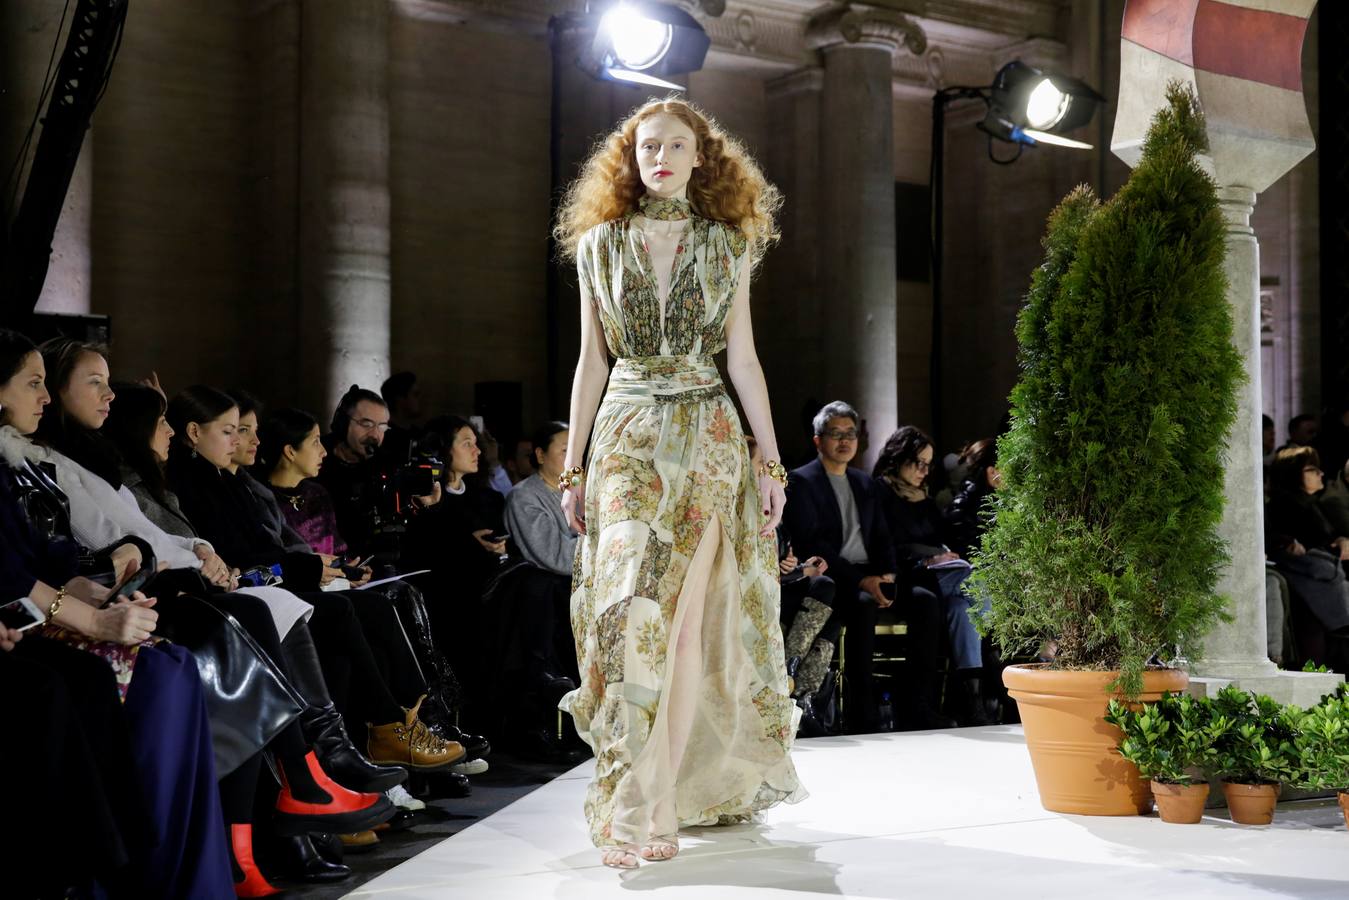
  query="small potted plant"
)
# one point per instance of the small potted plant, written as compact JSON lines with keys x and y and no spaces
{"x":1173,"y":742}
{"x":1321,"y":741}
{"x":1255,"y":754}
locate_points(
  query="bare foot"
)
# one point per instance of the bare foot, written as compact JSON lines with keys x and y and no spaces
{"x":623,"y":856}
{"x":659,"y":849}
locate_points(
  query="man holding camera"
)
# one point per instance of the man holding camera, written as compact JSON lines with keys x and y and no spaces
{"x":352,"y":471}
{"x":833,"y":512}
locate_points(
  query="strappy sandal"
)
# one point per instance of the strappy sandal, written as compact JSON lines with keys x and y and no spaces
{"x":660,"y":848}
{"x":618,"y":857}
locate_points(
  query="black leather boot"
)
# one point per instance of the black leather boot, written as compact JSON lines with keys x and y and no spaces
{"x":322,"y":723}
{"x":297,"y":859}
{"x":324,"y":730}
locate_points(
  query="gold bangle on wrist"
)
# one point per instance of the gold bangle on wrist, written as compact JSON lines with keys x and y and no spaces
{"x":774,"y":470}
{"x":56,"y":604}
{"x":571,"y":478}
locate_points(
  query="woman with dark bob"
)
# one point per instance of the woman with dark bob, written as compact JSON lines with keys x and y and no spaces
{"x":920,"y":536}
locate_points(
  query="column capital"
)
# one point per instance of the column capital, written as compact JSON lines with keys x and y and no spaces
{"x":857,"y":25}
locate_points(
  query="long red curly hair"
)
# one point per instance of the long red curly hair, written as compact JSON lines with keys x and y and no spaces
{"x":728,"y":187}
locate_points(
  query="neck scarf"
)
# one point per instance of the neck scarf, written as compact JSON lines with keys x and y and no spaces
{"x":672,"y":209}
{"x":905,"y":491}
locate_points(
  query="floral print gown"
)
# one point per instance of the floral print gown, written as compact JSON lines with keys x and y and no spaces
{"x":674,"y":604}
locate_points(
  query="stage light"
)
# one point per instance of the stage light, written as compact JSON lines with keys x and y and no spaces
{"x":646,"y":42}
{"x":1048,"y":103}
{"x":638,"y":42}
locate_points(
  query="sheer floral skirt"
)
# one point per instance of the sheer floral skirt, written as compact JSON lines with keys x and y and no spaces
{"x":674,"y":608}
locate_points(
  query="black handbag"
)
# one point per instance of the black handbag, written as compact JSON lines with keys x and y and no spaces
{"x":248,"y":698}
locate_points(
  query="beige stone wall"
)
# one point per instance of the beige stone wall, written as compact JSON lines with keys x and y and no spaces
{"x":469,"y":172}
{"x":171,"y":215}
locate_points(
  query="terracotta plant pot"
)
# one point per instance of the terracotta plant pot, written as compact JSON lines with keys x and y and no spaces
{"x":1344,"y":807}
{"x":1251,"y":804}
{"x":1180,"y":804}
{"x":1075,"y":753}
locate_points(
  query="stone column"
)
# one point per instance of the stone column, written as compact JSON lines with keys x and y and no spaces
{"x":345,"y":293}
{"x":1245,"y":66}
{"x":28,"y":31}
{"x":856,"y":245}
{"x":788,"y":305}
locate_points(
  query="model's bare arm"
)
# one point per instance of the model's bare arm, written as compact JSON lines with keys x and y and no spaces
{"x":587,"y":387}
{"x":742,"y":364}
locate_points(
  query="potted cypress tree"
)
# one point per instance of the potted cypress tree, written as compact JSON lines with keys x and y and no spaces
{"x":1103,"y":540}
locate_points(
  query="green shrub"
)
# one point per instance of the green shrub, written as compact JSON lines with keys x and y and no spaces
{"x":1321,"y":740}
{"x":1257,"y":747}
{"x":1104,"y":537}
{"x":1173,"y":740}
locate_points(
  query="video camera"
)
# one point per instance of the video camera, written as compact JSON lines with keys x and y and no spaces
{"x":415,"y":476}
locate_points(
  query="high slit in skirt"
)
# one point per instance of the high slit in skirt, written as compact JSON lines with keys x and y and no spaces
{"x":674,"y":609}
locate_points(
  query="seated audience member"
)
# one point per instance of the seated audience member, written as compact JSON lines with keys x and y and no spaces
{"x":918,"y":532}
{"x":455,"y":540}
{"x":1334,"y":500}
{"x":351,"y":472}
{"x":1302,"y":431}
{"x":834,"y":512}
{"x":810,"y":628}
{"x":309,"y":799}
{"x":403,"y":398}
{"x":544,"y":540}
{"x":534,"y":509}
{"x":964,"y":520}
{"x":1307,"y":549}
{"x":245,"y":455}
{"x":289,"y":459}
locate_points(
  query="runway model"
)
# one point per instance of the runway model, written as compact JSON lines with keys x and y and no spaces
{"x":674,"y":605}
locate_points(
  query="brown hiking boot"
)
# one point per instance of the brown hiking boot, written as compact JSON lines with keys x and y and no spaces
{"x":411,"y":744}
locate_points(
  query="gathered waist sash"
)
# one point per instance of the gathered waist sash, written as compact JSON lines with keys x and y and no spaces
{"x":653,"y":380}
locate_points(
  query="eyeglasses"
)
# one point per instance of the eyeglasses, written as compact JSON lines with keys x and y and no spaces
{"x":921,"y":466}
{"x":371,"y":425}
{"x":841,"y":435}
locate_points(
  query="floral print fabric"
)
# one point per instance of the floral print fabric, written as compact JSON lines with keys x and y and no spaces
{"x":701,"y":735}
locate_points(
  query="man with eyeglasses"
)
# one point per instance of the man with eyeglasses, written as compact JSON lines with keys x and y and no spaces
{"x":350,"y":472}
{"x":834,"y":511}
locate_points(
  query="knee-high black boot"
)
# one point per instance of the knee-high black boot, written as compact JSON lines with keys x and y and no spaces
{"x":322,"y":723}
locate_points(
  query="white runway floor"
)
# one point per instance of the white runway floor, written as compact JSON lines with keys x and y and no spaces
{"x":946,"y":814}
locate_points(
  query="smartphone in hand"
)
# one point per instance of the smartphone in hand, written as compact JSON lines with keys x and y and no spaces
{"x":128,"y":586}
{"x":21,"y":615}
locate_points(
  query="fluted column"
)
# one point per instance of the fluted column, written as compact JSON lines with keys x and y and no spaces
{"x":856,"y":245}
{"x":345,"y":292}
